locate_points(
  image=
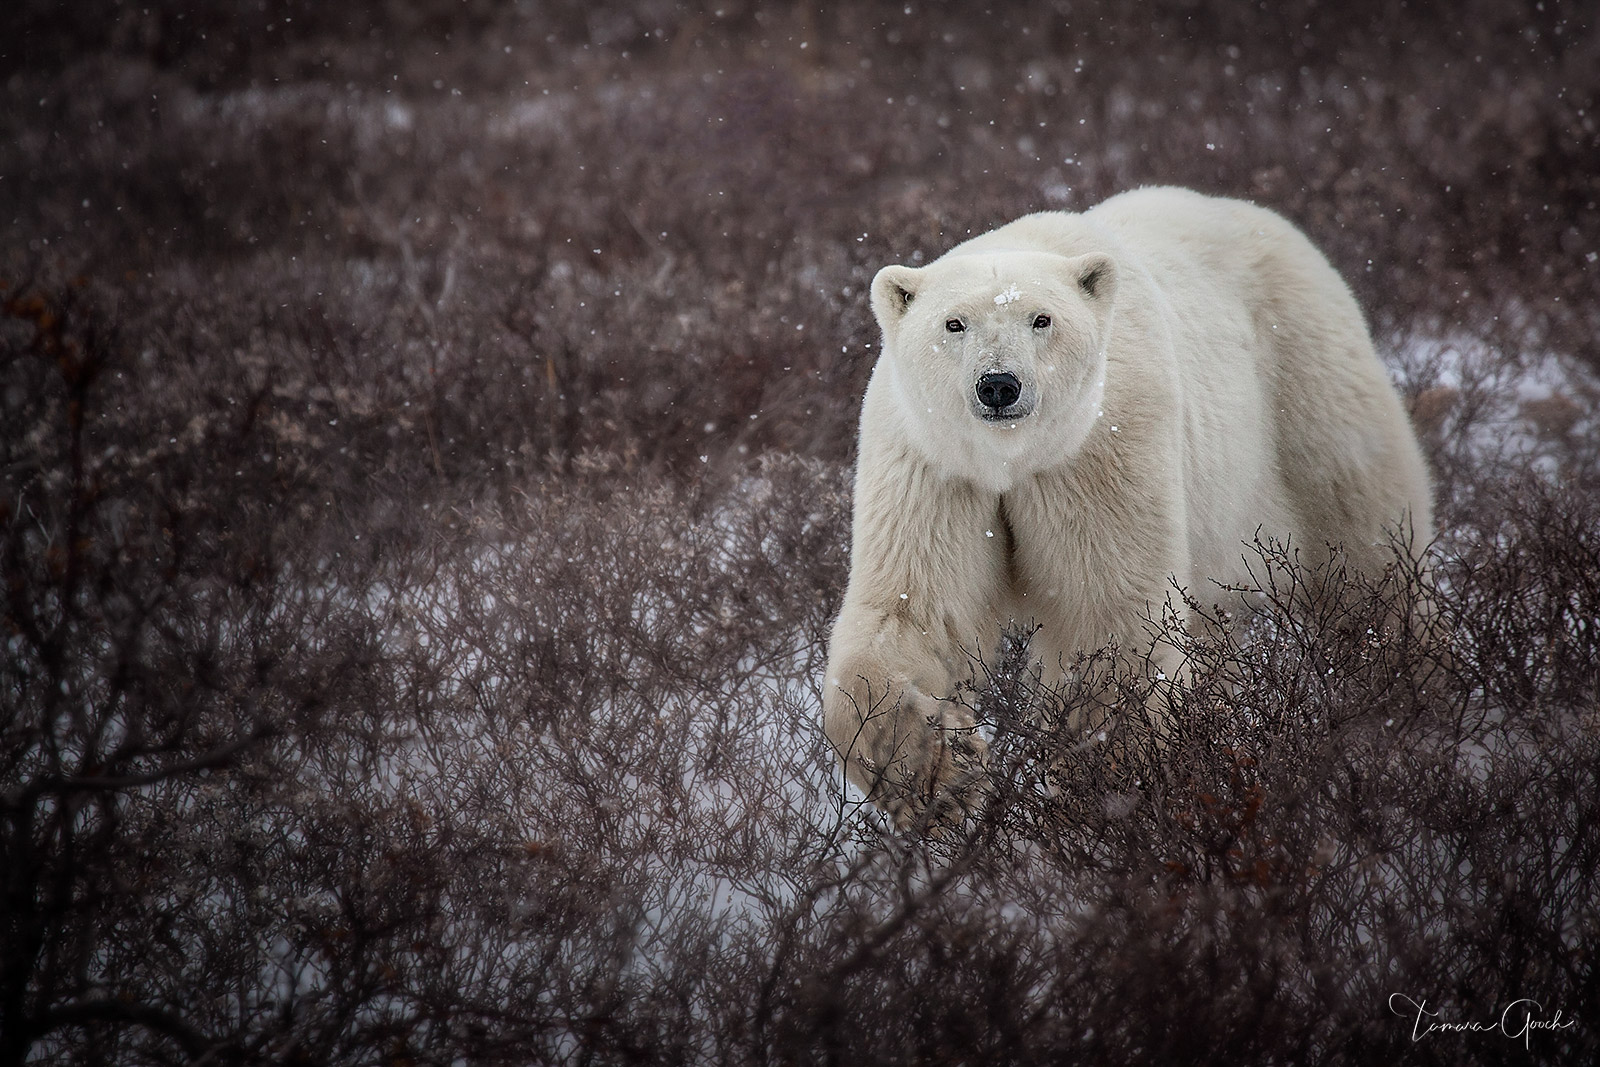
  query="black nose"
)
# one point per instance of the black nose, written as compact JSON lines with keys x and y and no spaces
{"x":999,"y":391}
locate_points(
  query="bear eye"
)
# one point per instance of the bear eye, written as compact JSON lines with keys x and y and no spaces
{"x":1041,"y":322}
{"x":955,"y":325}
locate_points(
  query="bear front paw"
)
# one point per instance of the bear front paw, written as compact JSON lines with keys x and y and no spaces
{"x":931,"y":765}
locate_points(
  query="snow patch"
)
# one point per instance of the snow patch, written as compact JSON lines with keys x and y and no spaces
{"x":1479,"y":407}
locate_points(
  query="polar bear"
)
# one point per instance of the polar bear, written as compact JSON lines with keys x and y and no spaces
{"x":1069,"y":416}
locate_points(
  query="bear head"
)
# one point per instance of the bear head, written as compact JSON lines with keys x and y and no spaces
{"x":996,"y":360}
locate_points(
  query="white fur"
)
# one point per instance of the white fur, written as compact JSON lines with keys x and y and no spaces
{"x":1204,"y":375}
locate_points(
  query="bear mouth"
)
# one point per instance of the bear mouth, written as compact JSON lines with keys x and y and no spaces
{"x":1014,"y":413}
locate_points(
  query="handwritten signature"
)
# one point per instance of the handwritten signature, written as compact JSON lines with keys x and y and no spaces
{"x":1520,"y":1019}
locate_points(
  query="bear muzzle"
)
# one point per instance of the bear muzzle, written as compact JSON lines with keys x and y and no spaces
{"x":999,"y":396}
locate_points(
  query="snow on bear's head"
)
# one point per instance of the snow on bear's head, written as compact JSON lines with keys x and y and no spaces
{"x":996,"y":360}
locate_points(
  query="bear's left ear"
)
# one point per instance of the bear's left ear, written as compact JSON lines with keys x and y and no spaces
{"x":1095,"y":275}
{"x":893,"y":290}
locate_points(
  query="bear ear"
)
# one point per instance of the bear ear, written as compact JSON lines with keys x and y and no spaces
{"x":1095,"y":275}
{"x":893,"y":290}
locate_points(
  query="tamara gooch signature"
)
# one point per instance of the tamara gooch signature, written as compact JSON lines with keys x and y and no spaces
{"x":1521,"y":1019}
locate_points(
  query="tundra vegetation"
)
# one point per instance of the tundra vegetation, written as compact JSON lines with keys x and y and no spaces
{"x":425,"y":446}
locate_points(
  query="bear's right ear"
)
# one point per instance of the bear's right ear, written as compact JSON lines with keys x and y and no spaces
{"x":893,"y":290}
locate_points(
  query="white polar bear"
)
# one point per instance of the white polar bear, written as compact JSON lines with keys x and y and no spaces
{"x":1069,"y":414}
